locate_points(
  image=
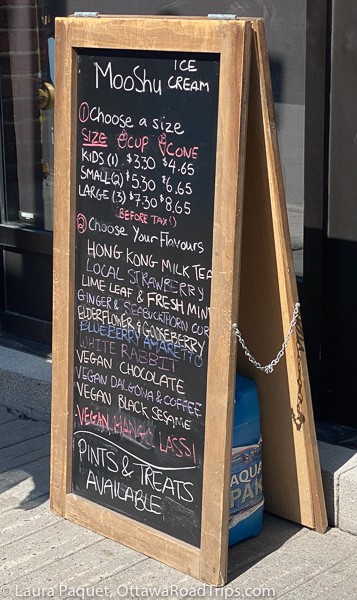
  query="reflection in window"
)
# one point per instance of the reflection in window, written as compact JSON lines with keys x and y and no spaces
{"x":27,"y":94}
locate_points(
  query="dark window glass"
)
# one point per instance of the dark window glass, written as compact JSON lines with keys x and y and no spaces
{"x":27,"y":94}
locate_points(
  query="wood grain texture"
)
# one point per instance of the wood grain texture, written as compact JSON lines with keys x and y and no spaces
{"x":232,"y":124}
{"x":140,"y":537}
{"x":264,"y":278}
{"x":168,"y":34}
{"x":63,"y":272}
{"x":291,"y":471}
{"x":231,"y":40}
{"x":298,"y":372}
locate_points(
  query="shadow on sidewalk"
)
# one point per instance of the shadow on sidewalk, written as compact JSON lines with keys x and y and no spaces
{"x":24,"y":484}
{"x":276,"y":532}
{"x":24,"y":461}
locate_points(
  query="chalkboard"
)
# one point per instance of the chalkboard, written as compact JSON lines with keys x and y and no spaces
{"x":146,"y":154}
{"x":164,"y":131}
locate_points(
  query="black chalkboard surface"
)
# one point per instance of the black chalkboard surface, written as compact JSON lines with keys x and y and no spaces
{"x":145,"y":179}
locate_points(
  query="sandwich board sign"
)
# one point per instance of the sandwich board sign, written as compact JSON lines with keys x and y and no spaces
{"x":168,"y":183}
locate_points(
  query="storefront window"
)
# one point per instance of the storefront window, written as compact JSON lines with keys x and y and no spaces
{"x":27,"y":97}
{"x":27,"y":93}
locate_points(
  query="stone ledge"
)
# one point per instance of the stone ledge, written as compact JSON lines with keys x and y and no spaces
{"x":347,"y":517}
{"x":25,"y":384}
{"x":339,"y":478}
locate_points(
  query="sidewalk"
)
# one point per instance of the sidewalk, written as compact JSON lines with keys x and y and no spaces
{"x":40,"y":552}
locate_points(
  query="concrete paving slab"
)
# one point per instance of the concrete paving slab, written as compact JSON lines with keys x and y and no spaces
{"x":21,"y":487}
{"x":24,"y":463}
{"x":89,"y":567}
{"x":335,"y":461}
{"x":43,"y":548}
{"x":283,"y":560}
{"x":38,"y":470}
{"x":337,"y":583}
{"x":27,"y":365}
{"x":151,"y":574}
{"x":25,"y":383}
{"x":20,"y":448}
{"x":347,"y":518}
{"x":6,"y":416}
{"x":24,"y":453}
{"x":17,"y":524}
{"x":26,"y":395}
{"x":39,"y":550}
{"x":276,"y":532}
{"x":301,"y":558}
{"x":21,"y":430}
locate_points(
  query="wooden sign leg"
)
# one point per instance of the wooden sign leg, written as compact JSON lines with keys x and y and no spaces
{"x":221,"y":376}
{"x":291,"y":471}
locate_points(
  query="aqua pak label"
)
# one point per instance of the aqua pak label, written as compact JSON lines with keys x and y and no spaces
{"x":246,"y":493}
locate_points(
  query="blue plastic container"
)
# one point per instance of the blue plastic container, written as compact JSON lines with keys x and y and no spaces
{"x":246,"y":493}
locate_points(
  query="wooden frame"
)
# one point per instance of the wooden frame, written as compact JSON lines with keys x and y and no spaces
{"x":235,"y":42}
{"x":232,"y":41}
{"x":268,"y":293}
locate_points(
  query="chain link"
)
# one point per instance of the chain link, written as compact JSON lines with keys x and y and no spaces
{"x":270,"y":367}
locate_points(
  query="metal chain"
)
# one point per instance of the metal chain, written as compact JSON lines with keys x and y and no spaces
{"x":270,"y":367}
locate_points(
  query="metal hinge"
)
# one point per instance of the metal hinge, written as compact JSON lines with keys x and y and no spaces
{"x":223,"y":17}
{"x":86,"y":14}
